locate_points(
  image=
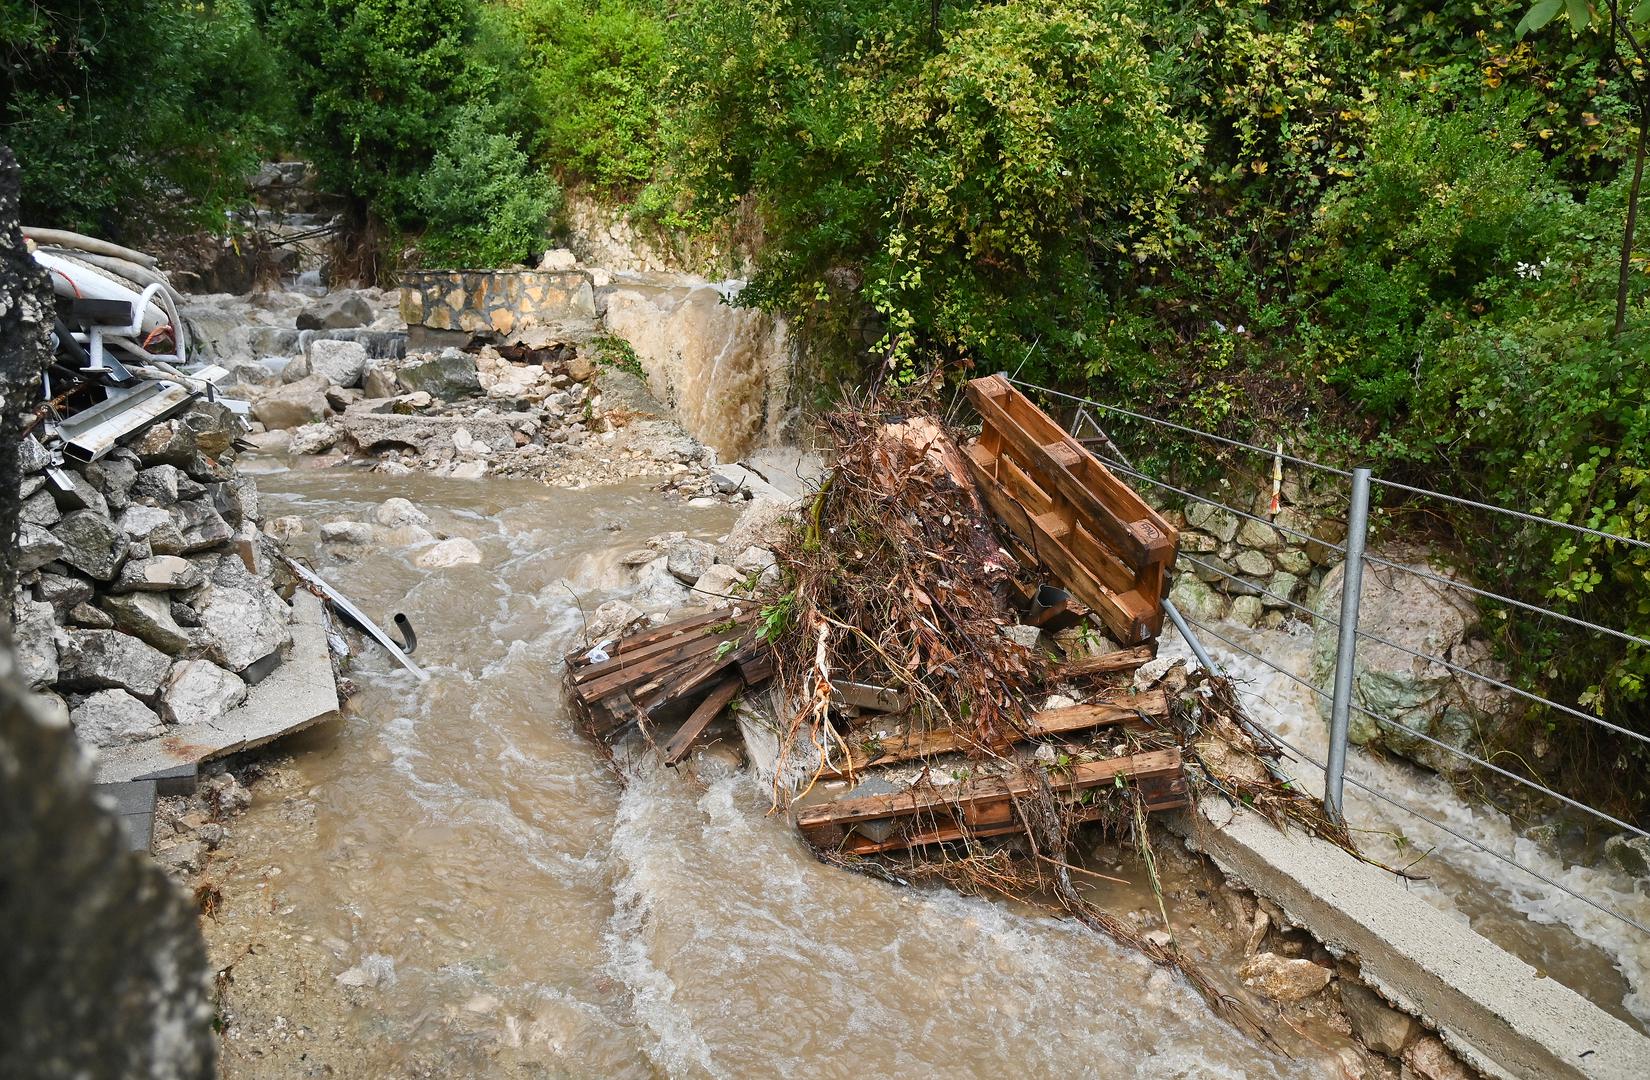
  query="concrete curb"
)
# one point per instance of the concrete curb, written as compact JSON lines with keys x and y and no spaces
{"x":1496,"y":1011}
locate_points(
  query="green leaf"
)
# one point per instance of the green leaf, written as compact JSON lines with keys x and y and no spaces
{"x":1539,"y":15}
{"x":1642,"y":12}
{"x":1580,"y":14}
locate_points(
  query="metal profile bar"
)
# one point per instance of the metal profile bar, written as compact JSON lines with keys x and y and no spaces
{"x":93,"y":432}
{"x":1346,"y":643}
{"x":353,"y":614}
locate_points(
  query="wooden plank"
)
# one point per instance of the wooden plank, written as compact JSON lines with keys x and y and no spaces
{"x":637,"y":642}
{"x":1123,"y":660}
{"x":907,"y":803}
{"x":622,"y":672}
{"x":681,"y":645}
{"x":695,"y":725}
{"x":1125,"y":709}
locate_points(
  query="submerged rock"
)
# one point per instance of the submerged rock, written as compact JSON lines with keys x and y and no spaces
{"x":455,"y":552}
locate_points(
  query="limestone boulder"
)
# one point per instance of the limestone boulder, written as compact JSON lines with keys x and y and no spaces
{"x":114,"y":718}
{"x":720,"y":580}
{"x":689,"y":560}
{"x":1282,"y":978}
{"x":199,"y":691}
{"x":34,"y":640}
{"x":148,"y":617}
{"x":1196,"y":600}
{"x":1217,"y":521}
{"x":342,"y":363}
{"x":457,"y":551}
{"x":396,"y":512}
{"x":609,"y":620}
{"x":157,"y":485}
{"x":110,"y":660}
{"x":658,"y":589}
{"x":154,"y":526}
{"x":762,"y":524}
{"x":36,"y":547}
{"x":61,"y":590}
{"x":335,"y":311}
{"x":201,"y":525}
{"x":1377,"y":1024}
{"x":239,"y":627}
{"x":303,"y":402}
{"x":1414,"y":695}
{"x":158,"y":574}
{"x":91,"y":544}
{"x":449,"y":375}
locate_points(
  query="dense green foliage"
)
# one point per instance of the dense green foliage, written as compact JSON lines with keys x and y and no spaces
{"x":115,"y":109}
{"x":481,"y":202}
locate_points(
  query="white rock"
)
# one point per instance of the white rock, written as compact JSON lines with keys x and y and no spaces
{"x":114,"y":718}
{"x":469,"y":470}
{"x":719,"y":580}
{"x":455,"y":552}
{"x":349,"y":532}
{"x":238,"y":627}
{"x":689,"y":560}
{"x":398,"y":511}
{"x":558,"y":259}
{"x":342,"y":362}
{"x":197,"y":691}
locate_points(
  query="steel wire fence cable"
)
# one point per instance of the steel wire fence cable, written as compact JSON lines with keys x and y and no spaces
{"x":1307,"y":463}
{"x":1396,"y":726}
{"x":1269,"y":452}
{"x":1355,"y":782}
{"x":1458,"y":669}
{"x":1522,"y":515}
{"x":1286,"y":530}
{"x":1486,"y":594}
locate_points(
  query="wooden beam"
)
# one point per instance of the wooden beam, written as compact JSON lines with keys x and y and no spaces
{"x":1112,"y":663}
{"x":695,"y":725}
{"x":1125,"y":709}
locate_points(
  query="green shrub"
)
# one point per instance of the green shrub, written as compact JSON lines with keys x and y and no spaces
{"x":482,"y":204}
{"x":129,"y":117}
{"x":593,"y":70}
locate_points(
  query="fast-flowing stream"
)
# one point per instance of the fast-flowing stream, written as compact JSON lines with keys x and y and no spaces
{"x":500,"y":904}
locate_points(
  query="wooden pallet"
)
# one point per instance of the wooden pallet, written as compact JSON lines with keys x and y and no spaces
{"x":1067,"y":512}
{"x":870,"y":824}
{"x":716,"y":654}
{"x":1120,"y":707}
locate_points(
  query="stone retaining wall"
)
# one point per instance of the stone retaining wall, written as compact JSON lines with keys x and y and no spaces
{"x":502,"y":302}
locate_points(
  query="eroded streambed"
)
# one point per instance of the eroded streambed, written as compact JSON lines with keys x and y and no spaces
{"x":452,"y":881}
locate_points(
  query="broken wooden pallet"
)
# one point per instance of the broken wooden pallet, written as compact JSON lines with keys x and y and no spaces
{"x":1113,"y":709}
{"x":670,"y":665}
{"x":987,"y":806}
{"x":1066,"y":511}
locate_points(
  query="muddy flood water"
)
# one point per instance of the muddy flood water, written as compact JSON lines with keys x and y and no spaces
{"x":452,"y":881}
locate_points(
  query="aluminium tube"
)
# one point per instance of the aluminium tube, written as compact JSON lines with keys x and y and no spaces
{"x":1346,"y":645}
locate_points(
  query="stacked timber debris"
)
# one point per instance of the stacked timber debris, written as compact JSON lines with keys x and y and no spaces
{"x":961,"y":647}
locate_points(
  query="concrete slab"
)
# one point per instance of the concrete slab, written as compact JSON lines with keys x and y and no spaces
{"x":298,"y":694}
{"x":1496,"y":1011}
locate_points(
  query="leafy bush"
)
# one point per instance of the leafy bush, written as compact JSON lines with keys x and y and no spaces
{"x":377,"y":84}
{"x":594,"y":69}
{"x":126,"y":117}
{"x":481,"y":203}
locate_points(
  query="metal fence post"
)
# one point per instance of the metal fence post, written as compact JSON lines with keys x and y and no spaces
{"x":1346,"y":644}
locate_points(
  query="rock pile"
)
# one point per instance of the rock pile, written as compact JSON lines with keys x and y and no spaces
{"x":555,"y":414}
{"x":136,"y":609}
{"x":1231,"y":563}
